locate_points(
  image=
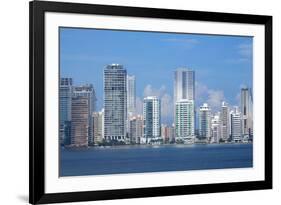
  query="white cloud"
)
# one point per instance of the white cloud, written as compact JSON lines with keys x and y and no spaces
{"x":213,"y":97}
{"x":200,"y":91}
{"x":150,"y":91}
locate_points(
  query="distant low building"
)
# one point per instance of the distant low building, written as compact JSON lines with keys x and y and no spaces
{"x":136,"y":129}
{"x":98,"y":127}
{"x":165,"y":133}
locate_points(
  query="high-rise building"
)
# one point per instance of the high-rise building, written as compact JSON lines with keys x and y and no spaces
{"x":131,"y":94}
{"x":115,"y":103}
{"x":87,"y":91}
{"x":184,"y":121}
{"x":247,"y":112}
{"x":65,"y":95}
{"x":131,"y":99}
{"x":205,"y":122}
{"x":136,"y":129}
{"x":224,"y":119}
{"x":184,"y":84}
{"x":236,"y":125}
{"x":79,"y":121}
{"x":151,"y":119}
{"x":184,"y":87}
{"x":98,"y":126}
{"x":215,"y":129}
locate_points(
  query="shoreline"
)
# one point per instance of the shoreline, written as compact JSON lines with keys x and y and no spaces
{"x":149,"y":145}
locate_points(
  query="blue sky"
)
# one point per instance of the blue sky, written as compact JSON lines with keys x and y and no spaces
{"x":222,"y":64}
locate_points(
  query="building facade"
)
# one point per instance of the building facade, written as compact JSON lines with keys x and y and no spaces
{"x":131,"y":94}
{"x":80,"y":121}
{"x":65,"y":96}
{"x":136,"y":129}
{"x":88,"y":92}
{"x":236,"y":125}
{"x":215,"y":129}
{"x":115,"y":103}
{"x":185,"y":120}
{"x":225,"y":124}
{"x":205,"y":122}
{"x":98,"y":127}
{"x":247,"y":112}
{"x":151,"y":119}
{"x":184,"y":84}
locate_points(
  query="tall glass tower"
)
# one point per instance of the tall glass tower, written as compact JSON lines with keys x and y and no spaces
{"x":225,"y":124}
{"x":184,"y":84}
{"x":247,"y":112}
{"x":131,"y":94}
{"x":115,"y":102}
{"x":205,"y":121}
{"x":65,"y":95}
{"x":151,"y":118}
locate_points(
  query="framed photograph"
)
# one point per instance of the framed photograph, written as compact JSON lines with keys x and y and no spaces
{"x":130,"y":102}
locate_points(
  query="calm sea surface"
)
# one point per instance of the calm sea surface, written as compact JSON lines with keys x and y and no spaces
{"x":137,"y":159}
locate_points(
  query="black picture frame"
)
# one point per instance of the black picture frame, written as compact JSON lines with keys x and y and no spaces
{"x":37,"y":10}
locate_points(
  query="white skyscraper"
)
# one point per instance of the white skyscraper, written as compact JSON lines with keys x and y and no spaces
{"x":236,"y":125}
{"x":205,"y":122}
{"x":215,"y":129}
{"x":247,"y":111}
{"x":184,"y":86}
{"x":131,"y":94}
{"x":151,"y":119}
{"x":184,"y":121}
{"x":115,"y":102}
{"x":224,"y":118}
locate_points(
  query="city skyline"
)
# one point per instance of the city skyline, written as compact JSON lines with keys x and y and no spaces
{"x":183,"y":107}
{"x":227,"y":58}
{"x":113,"y":123}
